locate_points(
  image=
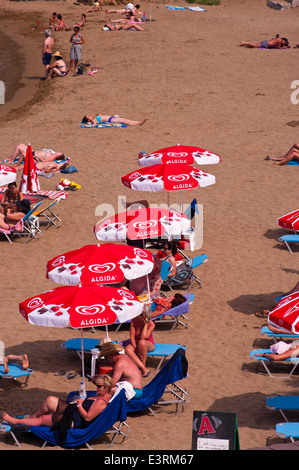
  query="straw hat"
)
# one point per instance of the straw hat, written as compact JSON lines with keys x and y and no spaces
{"x":130,"y":6}
{"x":57,"y":54}
{"x":110,"y":348}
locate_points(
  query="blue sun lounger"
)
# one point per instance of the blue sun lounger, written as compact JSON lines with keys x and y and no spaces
{"x":289,"y":361}
{"x":278,"y":336}
{"x":283,"y":403}
{"x":15,"y":372}
{"x":290,"y":430}
{"x":176,"y":315}
{"x":161,"y":351}
{"x":289,"y":239}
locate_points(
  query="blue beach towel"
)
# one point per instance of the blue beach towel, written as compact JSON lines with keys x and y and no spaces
{"x":103,"y":124}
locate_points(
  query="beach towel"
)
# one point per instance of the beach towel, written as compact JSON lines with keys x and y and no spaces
{"x":195,"y":9}
{"x":170,"y":7}
{"x":103,"y":124}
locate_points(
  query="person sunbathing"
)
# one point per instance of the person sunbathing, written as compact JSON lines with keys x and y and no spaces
{"x":82,"y":413}
{"x":124,"y":27}
{"x":99,"y":118}
{"x":38,"y":155}
{"x":141,"y":339}
{"x":275,"y":43}
{"x":163,"y":304}
{"x":82,"y":21}
{"x":47,"y":167}
{"x":291,"y":155}
{"x":96,"y":7}
{"x":23,"y":359}
{"x":14,"y":213}
{"x":289,"y":350}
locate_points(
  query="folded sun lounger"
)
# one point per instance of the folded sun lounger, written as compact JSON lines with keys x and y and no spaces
{"x":290,"y":361}
{"x":161,"y":351}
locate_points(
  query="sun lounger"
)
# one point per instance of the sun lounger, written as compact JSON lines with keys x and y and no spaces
{"x":46,"y":214}
{"x":105,"y":423}
{"x":283,"y":403}
{"x":289,"y":361}
{"x":290,"y":430}
{"x":15,"y":372}
{"x":278,"y":336}
{"x":177,"y":315}
{"x":287,"y":239}
{"x":161,"y":351}
{"x":184,"y":273}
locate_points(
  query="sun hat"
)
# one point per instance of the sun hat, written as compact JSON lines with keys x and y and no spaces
{"x":110,"y":348}
{"x":57,"y":54}
{"x":130,"y":6}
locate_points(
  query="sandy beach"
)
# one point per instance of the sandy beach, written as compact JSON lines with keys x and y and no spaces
{"x":187,"y":76}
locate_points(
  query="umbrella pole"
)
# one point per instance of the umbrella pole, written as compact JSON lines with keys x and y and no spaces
{"x":82,"y":356}
{"x":181,"y":202}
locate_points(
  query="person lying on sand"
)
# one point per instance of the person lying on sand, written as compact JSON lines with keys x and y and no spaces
{"x":292,"y":154}
{"x":23,"y":359}
{"x":47,"y":167}
{"x":275,"y":43}
{"x":99,"y":118}
{"x":123,"y":27}
{"x":96,"y":7}
{"x":38,"y":155}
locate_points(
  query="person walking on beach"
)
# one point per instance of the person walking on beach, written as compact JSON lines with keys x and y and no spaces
{"x":76,"y":49}
{"x":47,"y":51}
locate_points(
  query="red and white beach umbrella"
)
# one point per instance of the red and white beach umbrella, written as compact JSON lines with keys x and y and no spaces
{"x":286,"y":314}
{"x":81,"y":307}
{"x":8,"y":175}
{"x":290,"y":221}
{"x":29,"y":182}
{"x":179,"y":154}
{"x":100,"y":264}
{"x":168,"y":176}
{"x":139,"y":224}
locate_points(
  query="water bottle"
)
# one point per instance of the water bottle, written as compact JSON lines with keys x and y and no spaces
{"x":82,"y":392}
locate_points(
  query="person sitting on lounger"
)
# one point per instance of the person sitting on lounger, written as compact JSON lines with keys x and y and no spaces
{"x":99,"y":118}
{"x":291,"y":155}
{"x":141,"y":339}
{"x":38,"y":155}
{"x":14,"y":213}
{"x":124,"y":369}
{"x":11,"y":196}
{"x":275,"y":43}
{"x":163,"y":304}
{"x":82,"y":413}
{"x":170,"y":250}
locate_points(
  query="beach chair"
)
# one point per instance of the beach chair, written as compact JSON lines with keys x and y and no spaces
{"x":27,"y":226}
{"x":15,"y":372}
{"x":283,"y":403}
{"x":185,"y":275}
{"x":46,"y":214}
{"x":278,"y":336}
{"x":294,"y":361}
{"x":287,"y":239}
{"x":164,"y":385}
{"x":288,"y":430}
{"x":177,"y":315}
{"x":161,"y":351}
{"x":110,"y":421}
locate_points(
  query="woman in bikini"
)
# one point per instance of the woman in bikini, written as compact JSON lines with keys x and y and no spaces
{"x":58,"y":68}
{"x":99,"y":118}
{"x":14,"y":213}
{"x":83,"y":412}
{"x":141,"y":339}
{"x":170,"y":250}
{"x":11,"y":196}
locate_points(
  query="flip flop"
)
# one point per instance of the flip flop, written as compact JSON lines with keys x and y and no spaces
{"x":62,"y":372}
{"x":147,"y":374}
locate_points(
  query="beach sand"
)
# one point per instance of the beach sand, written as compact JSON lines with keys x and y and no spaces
{"x":187,"y":76}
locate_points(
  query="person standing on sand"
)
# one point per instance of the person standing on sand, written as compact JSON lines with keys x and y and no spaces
{"x":47,"y":51}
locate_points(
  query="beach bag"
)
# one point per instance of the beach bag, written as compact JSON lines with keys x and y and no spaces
{"x":80,"y":69}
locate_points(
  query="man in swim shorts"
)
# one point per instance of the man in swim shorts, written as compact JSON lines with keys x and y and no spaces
{"x":38,"y":155}
{"x":47,"y":51}
{"x":275,"y":43}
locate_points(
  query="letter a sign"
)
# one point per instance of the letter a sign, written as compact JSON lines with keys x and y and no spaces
{"x":215,"y":431}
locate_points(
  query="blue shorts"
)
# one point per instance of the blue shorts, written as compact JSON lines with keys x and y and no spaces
{"x":138,"y":393}
{"x":47,"y":58}
{"x":99,"y":119}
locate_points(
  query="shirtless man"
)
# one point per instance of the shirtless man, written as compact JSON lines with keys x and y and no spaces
{"x":291,"y":155}
{"x":38,"y":155}
{"x":47,"y":167}
{"x":47,"y":51}
{"x":124,"y":369}
{"x":275,"y":43}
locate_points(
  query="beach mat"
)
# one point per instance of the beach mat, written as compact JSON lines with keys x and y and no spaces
{"x":103,"y":124}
